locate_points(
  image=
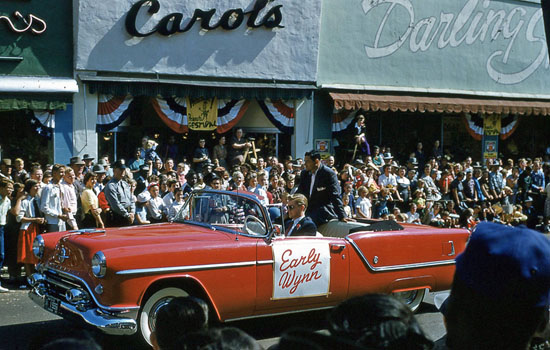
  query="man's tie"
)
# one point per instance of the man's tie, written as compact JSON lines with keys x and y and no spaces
{"x":289,"y":228}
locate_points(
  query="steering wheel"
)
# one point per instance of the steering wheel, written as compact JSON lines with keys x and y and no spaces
{"x":253,"y":225}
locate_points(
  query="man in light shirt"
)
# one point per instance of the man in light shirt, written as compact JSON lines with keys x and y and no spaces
{"x":50,"y":201}
{"x":69,"y":201}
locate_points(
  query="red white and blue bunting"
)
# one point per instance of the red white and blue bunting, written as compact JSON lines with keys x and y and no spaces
{"x":342,"y":120}
{"x":229,"y":113}
{"x":280,"y":114}
{"x":474,"y":125}
{"x":44,"y":122}
{"x":173,"y":112}
{"x":112,"y":111}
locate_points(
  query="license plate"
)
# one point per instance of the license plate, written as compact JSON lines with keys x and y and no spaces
{"x":51,"y":304}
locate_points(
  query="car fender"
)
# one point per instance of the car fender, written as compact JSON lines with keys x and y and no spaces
{"x":189,"y":283}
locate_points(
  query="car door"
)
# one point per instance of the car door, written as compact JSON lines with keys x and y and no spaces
{"x":297,"y":273}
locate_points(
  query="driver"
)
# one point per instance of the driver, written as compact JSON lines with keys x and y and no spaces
{"x":299,"y":224}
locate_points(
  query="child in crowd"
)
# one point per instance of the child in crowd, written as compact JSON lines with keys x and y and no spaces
{"x":364,"y":205}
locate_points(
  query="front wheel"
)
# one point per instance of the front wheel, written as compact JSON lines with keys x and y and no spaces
{"x":411,"y":298}
{"x":149,"y":311}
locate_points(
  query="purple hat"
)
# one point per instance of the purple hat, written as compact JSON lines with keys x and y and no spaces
{"x":507,"y":264}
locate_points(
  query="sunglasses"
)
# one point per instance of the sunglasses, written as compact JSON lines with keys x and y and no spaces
{"x":292,"y":206}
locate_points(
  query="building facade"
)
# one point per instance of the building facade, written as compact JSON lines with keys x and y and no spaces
{"x":434,"y":70}
{"x":36,"y":80}
{"x":196,"y":69}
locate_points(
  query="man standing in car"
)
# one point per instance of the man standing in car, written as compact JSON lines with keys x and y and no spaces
{"x":319,"y":184}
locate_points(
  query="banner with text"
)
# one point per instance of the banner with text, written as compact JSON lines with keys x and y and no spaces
{"x":301,"y":269}
{"x":491,"y":131}
{"x":202,"y":114}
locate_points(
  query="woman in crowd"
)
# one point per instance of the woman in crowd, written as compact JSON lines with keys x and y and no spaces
{"x":403,"y":184}
{"x":90,"y":203}
{"x":29,"y":217}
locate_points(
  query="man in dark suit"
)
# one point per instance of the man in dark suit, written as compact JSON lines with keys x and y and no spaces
{"x":299,"y":224}
{"x":319,"y":184}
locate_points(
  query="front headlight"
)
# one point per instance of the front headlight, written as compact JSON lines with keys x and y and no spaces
{"x":99,"y":265}
{"x":38,"y":247}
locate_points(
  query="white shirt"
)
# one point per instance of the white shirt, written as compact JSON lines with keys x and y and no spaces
{"x":154,"y":208}
{"x":413,"y":217}
{"x":364,"y":204}
{"x":5,"y":206}
{"x":27,"y":210}
{"x":384,"y":180}
{"x":312,"y":182}
{"x":50,"y":203}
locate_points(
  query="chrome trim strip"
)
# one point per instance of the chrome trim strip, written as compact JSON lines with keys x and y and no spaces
{"x":278,"y":314}
{"x":265,"y":262}
{"x":397,"y":267}
{"x":187,"y":268}
{"x":68,"y":275}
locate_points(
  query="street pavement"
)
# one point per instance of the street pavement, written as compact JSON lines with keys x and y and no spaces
{"x":22,"y":322}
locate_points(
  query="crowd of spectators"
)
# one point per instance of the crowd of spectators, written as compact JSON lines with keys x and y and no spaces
{"x":145,"y":188}
{"x":434,"y":190}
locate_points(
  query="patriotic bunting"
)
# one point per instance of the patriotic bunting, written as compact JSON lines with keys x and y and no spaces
{"x":112,"y":111}
{"x":229,"y":113}
{"x":474,"y":125}
{"x":341,"y":120}
{"x":44,"y":122}
{"x":173,"y":112}
{"x":279,"y":114}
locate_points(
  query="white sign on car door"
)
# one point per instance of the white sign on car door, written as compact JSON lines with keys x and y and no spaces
{"x":301,"y":268}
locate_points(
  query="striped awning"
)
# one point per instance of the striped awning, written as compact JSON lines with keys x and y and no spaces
{"x":410,"y":103}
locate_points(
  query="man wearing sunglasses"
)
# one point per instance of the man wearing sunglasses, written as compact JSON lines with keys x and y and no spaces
{"x":299,"y":224}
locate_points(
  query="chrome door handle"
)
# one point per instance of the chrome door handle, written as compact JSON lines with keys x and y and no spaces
{"x":452,"y":248}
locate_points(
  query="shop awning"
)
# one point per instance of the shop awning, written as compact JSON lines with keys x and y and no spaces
{"x":404,"y":103}
{"x":139,"y":86}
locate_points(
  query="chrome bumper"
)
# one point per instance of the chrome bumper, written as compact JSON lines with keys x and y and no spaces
{"x":121,"y":322}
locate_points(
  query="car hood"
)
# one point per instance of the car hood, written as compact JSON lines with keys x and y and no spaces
{"x":164,"y":233}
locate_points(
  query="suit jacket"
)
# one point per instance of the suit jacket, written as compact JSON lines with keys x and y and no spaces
{"x":305,"y":227}
{"x":325,"y":202}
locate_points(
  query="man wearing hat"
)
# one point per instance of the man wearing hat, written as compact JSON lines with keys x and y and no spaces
{"x":501,"y":289}
{"x":5,"y":169}
{"x":88,"y":160}
{"x":78,"y":165}
{"x":99,"y":170}
{"x":119,"y":196}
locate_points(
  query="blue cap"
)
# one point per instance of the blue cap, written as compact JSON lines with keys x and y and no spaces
{"x":507,"y":264}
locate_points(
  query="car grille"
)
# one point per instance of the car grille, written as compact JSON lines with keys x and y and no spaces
{"x":57,"y":284}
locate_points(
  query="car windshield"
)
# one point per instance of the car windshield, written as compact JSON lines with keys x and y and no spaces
{"x":224,"y":210}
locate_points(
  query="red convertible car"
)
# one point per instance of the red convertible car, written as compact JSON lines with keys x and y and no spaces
{"x":226,"y":248}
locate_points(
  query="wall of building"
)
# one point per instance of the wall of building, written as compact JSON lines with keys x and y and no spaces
{"x":483,"y":47}
{"x":285,"y":53}
{"x":84,"y":121}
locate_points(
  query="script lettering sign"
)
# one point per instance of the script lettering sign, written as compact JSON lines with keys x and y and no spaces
{"x":301,"y":269}
{"x":231,"y":19}
{"x":476,"y":22}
